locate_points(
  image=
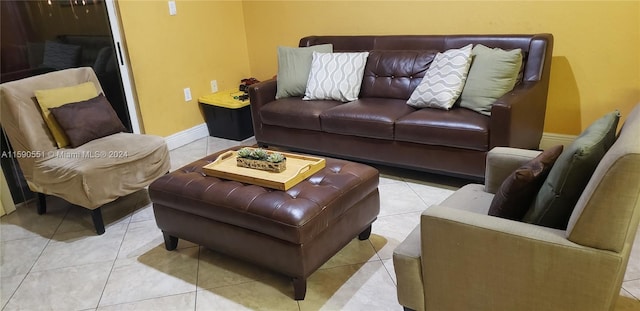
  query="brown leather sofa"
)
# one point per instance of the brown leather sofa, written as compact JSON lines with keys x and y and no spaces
{"x":381,"y":128}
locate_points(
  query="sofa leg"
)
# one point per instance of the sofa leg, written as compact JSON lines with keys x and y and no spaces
{"x":407,"y":309}
{"x":299,"y":288}
{"x":170,"y":242}
{"x":365,"y":234}
{"x":96,"y":215}
{"x":42,"y":203}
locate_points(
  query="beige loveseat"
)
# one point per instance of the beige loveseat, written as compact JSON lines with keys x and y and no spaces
{"x":459,"y":258}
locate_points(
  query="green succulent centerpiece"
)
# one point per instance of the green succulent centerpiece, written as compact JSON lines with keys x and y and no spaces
{"x":261,"y":159}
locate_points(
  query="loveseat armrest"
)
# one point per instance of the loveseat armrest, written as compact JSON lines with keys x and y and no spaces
{"x":517,"y":118}
{"x":259,"y":95}
{"x":480,"y":262}
{"x":501,"y":162}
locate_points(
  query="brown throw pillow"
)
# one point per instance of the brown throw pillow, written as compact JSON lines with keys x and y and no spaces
{"x":87,"y":120}
{"x":516,"y":193}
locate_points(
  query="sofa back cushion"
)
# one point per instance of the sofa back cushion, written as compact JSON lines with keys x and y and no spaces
{"x":395,"y":74}
{"x":536,"y":48}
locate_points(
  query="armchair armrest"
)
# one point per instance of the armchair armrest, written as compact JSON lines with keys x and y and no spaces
{"x":501,"y":162}
{"x":480,"y":262}
{"x":259,"y":95}
{"x":517,"y":118}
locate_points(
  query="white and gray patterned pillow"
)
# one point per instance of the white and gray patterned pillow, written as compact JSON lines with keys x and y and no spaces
{"x":444,"y":80}
{"x":336,"y":76}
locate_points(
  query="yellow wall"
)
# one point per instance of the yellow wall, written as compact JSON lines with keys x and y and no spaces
{"x":205,"y":41}
{"x":596,"y":57}
{"x":595,"y":66}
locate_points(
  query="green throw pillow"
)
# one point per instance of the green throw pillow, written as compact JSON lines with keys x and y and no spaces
{"x":294,"y":65}
{"x":570,"y":174}
{"x":493,"y":73}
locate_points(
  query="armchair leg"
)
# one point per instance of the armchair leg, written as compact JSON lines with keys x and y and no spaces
{"x":96,"y":215}
{"x":365,"y":234}
{"x":42,"y":203}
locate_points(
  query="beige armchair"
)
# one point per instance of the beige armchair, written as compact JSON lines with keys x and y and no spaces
{"x":90,"y":175}
{"x":459,"y":258}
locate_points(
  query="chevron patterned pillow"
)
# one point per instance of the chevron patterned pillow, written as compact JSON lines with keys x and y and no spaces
{"x":336,"y":76}
{"x":444,"y":80}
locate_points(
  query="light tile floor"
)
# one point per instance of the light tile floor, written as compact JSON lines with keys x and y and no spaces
{"x":57,"y":262}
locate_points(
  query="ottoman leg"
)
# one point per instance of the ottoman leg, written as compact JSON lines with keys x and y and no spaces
{"x":299,"y":288}
{"x":365,"y":234}
{"x":170,"y":242}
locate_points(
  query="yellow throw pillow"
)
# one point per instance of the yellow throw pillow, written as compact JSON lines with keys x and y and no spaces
{"x":52,"y":98}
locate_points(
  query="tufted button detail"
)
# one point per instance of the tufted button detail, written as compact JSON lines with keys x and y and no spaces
{"x":296,"y":215}
{"x":315,"y":180}
{"x":393,"y":77}
{"x":293,"y":193}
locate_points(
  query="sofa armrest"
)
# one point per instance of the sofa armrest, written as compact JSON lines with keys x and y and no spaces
{"x":501,"y":162}
{"x":517,"y":118}
{"x":479,"y":262}
{"x":259,"y":95}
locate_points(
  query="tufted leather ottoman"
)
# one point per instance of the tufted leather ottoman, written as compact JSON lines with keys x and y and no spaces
{"x":293,"y":232}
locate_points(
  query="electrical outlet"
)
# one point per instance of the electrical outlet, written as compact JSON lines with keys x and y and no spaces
{"x":172,"y":8}
{"x":187,"y":94}
{"x":214,"y":86}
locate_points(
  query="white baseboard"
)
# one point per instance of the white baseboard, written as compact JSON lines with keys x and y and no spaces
{"x":552,"y":139}
{"x":189,"y":135}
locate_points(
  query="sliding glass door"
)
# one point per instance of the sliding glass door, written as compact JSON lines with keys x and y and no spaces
{"x":39,"y":36}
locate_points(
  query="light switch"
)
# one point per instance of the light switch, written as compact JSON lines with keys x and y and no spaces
{"x":172,"y":8}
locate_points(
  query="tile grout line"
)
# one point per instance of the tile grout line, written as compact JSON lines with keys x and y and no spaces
{"x":423,"y":200}
{"x":40,"y":255}
{"x":113,"y":264}
{"x":195,"y":298}
{"x":630,"y":294}
{"x":384,"y":266}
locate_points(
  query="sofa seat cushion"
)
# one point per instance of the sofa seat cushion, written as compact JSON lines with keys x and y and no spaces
{"x":395,"y":74}
{"x":470,"y":198}
{"x":103,"y":169}
{"x":293,"y":112}
{"x":365,"y":117}
{"x":458,"y":128}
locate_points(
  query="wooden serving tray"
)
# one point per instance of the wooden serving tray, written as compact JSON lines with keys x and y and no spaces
{"x":299,"y":167}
